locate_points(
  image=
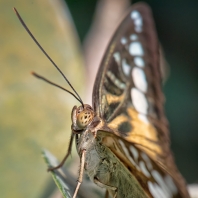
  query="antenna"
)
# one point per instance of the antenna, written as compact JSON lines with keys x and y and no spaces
{"x":54,"y":64}
{"x":54,"y":84}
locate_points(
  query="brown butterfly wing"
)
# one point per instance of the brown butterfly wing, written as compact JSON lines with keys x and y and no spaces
{"x":127,"y":93}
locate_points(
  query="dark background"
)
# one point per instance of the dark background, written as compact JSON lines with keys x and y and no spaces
{"x":177,"y":27}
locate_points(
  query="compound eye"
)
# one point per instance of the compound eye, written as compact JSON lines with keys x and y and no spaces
{"x":84,"y":118}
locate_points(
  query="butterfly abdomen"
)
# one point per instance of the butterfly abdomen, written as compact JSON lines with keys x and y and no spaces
{"x":107,"y":171}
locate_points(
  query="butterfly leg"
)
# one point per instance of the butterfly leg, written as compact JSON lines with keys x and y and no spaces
{"x":106,"y":186}
{"x":66,"y":156}
{"x":107,"y":194}
{"x":80,"y":177}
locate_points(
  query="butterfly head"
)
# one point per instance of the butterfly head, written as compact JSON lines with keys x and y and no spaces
{"x":84,"y":116}
{"x":85,"y":123}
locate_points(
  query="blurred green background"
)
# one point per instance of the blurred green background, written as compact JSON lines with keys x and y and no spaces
{"x":34,"y":115}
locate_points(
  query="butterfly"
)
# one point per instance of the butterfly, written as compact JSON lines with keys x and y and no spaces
{"x":123,"y":138}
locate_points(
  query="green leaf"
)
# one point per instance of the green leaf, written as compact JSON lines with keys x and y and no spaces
{"x":57,"y":175}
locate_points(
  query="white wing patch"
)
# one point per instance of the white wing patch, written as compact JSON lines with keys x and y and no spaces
{"x":117,"y":57}
{"x":134,"y":152}
{"x":139,"y":101}
{"x":147,"y":160}
{"x":143,"y":169}
{"x":133,"y":37}
{"x":137,"y":18}
{"x":116,"y":81}
{"x":126,"y":67}
{"x":139,"y":61}
{"x":164,"y":186}
{"x":123,"y":40}
{"x":135,"y":49}
{"x":127,"y":153}
{"x":139,"y":79}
